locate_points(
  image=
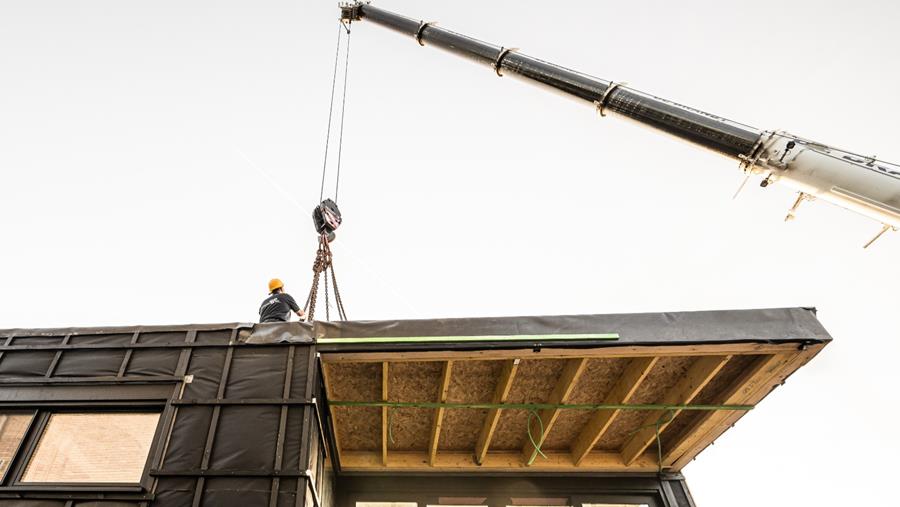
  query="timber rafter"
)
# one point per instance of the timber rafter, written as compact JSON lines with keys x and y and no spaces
{"x":481,"y":442}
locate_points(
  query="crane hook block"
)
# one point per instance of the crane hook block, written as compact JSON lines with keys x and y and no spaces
{"x":327,"y":218}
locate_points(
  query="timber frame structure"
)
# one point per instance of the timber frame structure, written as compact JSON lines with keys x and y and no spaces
{"x":494,"y":411}
{"x":605,"y":393}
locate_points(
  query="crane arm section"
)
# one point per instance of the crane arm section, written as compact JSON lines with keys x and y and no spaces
{"x":701,"y":128}
{"x":859,"y":183}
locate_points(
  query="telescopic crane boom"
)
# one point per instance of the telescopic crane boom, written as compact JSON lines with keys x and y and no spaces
{"x":859,"y":183}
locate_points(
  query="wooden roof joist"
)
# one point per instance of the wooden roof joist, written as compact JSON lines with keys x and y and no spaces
{"x":666,"y":387}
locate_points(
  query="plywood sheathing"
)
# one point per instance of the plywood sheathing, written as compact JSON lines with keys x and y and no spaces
{"x":358,"y":428}
{"x":412,"y":382}
{"x":592,"y":387}
{"x":710,"y":395}
{"x":662,"y":377}
{"x":471,"y":382}
{"x":535,"y":380}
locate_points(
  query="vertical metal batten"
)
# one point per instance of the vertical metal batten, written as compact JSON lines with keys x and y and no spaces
{"x":706,"y":130}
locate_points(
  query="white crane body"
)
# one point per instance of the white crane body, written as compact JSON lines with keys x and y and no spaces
{"x":865,"y":185}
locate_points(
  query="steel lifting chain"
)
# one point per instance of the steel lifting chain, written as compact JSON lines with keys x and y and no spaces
{"x":322,"y":265}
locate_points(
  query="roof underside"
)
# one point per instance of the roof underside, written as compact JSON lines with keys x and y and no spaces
{"x":587,"y":391}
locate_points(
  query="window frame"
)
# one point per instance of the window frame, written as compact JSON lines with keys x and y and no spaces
{"x":18,"y":450}
{"x":12,"y":480}
{"x":637,"y":489}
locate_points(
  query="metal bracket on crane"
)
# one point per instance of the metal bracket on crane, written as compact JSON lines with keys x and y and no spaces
{"x":422,"y":26}
{"x":800,"y":198}
{"x":601,"y":104}
{"x":884,"y":229}
{"x":748,"y":162}
{"x":350,"y":12}
{"x":497,"y":65}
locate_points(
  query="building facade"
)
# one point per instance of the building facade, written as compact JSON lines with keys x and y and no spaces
{"x":563,"y":411}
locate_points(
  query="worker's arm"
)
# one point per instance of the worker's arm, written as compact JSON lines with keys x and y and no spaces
{"x":294,"y":306}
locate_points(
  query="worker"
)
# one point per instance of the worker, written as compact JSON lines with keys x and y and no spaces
{"x":279,"y":305}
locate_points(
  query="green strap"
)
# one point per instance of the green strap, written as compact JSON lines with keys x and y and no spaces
{"x":537,"y":446}
{"x":536,"y":406}
{"x":482,"y":338}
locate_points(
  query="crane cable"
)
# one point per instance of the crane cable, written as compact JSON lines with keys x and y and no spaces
{"x":323,"y":265}
{"x":337,"y":50}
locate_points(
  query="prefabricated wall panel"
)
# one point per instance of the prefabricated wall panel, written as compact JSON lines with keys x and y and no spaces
{"x":236,"y":419}
{"x":427,"y":411}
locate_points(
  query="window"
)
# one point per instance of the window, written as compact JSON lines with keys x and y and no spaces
{"x":12,"y":430}
{"x":102,"y":447}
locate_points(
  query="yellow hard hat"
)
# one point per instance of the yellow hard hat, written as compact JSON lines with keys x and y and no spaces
{"x":275,"y":284}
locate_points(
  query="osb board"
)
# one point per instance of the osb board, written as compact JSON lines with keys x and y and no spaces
{"x":597,"y":379}
{"x":357,"y":428}
{"x":470,"y":382}
{"x":712,"y":394}
{"x":534,"y":381}
{"x":474,"y":381}
{"x":412,"y":382}
{"x":410,"y":428}
{"x":460,"y":429}
{"x":354,"y":381}
{"x":664,"y":375}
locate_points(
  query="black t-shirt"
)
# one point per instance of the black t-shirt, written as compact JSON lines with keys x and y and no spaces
{"x":277,"y":308}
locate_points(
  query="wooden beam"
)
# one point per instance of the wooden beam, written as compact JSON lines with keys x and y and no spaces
{"x":760,"y":372}
{"x":501,"y":392}
{"x":494,"y":462}
{"x":714,"y":349}
{"x":385,"y":386}
{"x":621,"y":393}
{"x":329,"y":394}
{"x":560,"y":394}
{"x":694,"y":380}
{"x":439,"y":413}
{"x":798,"y":359}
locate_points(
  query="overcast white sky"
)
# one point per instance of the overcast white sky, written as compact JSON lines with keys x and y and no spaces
{"x":159,"y":161}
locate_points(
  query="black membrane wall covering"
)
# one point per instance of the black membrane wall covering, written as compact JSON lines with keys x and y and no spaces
{"x":236,"y":420}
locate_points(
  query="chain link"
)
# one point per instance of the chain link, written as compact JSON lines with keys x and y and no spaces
{"x":322,"y":265}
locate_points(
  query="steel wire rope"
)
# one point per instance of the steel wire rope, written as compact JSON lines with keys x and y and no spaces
{"x":337,"y":181}
{"x":337,"y":52}
{"x":323,"y":264}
